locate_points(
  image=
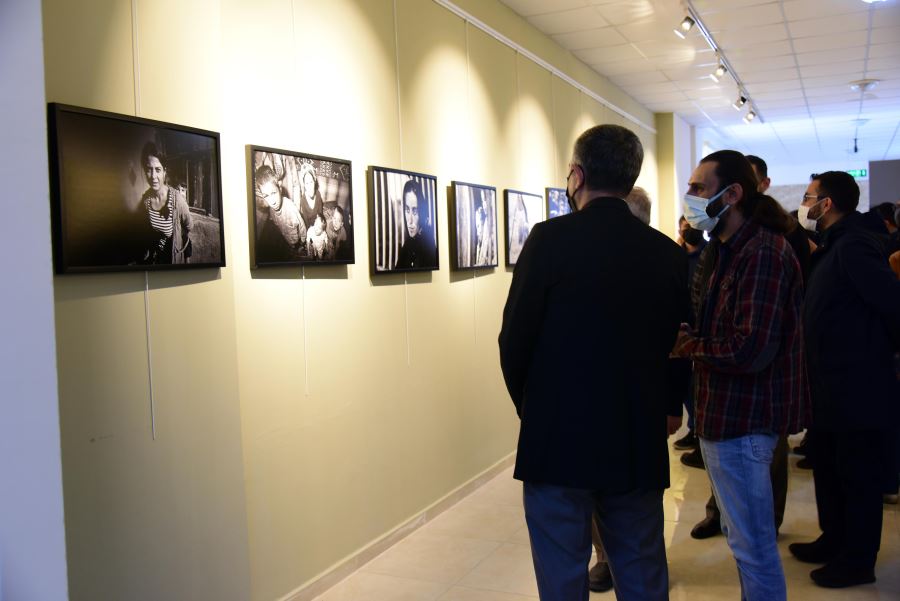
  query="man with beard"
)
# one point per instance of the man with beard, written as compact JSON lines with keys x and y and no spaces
{"x":749,"y":379}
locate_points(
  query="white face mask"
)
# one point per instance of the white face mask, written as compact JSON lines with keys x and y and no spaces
{"x":695,"y":211}
{"x":803,"y":218}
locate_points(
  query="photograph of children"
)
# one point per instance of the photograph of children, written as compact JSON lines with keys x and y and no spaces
{"x":133,"y":194}
{"x":303,"y":208}
{"x":557,"y":203}
{"x":523,"y":211}
{"x":403,"y":220}
{"x":475,"y":213}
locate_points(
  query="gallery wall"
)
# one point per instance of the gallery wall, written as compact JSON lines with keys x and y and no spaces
{"x":235,"y":433}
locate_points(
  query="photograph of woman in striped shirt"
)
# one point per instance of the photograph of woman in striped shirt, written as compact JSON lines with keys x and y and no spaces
{"x":167,"y":212}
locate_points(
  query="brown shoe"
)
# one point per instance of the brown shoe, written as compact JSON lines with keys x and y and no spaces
{"x":600,"y":578}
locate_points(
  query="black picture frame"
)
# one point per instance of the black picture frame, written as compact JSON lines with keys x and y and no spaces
{"x":286,"y":234}
{"x":522,"y":211}
{"x":394,"y":249}
{"x":557,"y":203}
{"x":102,"y":192}
{"x":474,"y":204}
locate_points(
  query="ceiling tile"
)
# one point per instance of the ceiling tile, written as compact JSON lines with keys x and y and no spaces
{"x":591,"y":38}
{"x":769,"y":76}
{"x":796,"y":10}
{"x":630,"y":79}
{"x":848,"y":39}
{"x":810,"y":83}
{"x":886,"y":51}
{"x":751,"y":65}
{"x":731,"y":39}
{"x":527,"y":8}
{"x":622,"y":52}
{"x":829,"y":25}
{"x":567,"y":21}
{"x":886,"y":15}
{"x":740,"y":18}
{"x":625,"y":11}
{"x":611,"y":69}
{"x":760,"y":51}
{"x":774,"y":86}
{"x":850,"y":69}
{"x":831,"y":56}
{"x":885,"y":35}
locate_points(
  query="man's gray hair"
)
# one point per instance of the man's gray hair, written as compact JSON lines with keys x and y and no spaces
{"x":611,"y":158}
{"x":639,"y":203}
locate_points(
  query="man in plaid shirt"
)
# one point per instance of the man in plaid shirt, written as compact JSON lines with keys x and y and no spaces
{"x":749,"y":376}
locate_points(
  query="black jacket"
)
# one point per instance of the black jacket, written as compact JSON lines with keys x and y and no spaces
{"x":593,"y":312}
{"x":851,"y":320}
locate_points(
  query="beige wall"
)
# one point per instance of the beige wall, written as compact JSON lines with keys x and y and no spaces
{"x":301,"y":414}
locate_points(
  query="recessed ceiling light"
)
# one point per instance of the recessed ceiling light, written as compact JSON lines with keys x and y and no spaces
{"x":873,"y":1}
{"x":863,"y":85}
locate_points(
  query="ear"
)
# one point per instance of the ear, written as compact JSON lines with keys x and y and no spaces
{"x":733,"y":194}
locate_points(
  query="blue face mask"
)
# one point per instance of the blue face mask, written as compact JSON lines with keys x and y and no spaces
{"x":695,"y":211}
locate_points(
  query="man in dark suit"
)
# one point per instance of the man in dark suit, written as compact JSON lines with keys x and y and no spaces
{"x":607,"y":293}
{"x":851,"y":320}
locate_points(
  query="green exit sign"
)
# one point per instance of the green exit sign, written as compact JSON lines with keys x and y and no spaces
{"x":858,"y":173}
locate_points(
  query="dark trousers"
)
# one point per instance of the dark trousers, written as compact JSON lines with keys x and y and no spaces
{"x":779,"y":473}
{"x":630,"y":524}
{"x":849,"y":477}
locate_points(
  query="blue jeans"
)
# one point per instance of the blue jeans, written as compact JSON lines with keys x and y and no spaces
{"x":631,"y":527}
{"x":739,"y":471}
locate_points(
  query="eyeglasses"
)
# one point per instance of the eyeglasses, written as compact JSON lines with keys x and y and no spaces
{"x":805,"y":196}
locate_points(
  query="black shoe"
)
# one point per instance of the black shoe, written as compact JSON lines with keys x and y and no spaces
{"x":600,"y":578}
{"x":839,"y":575}
{"x":815,"y":552}
{"x":805,"y":464}
{"x":706,"y":528}
{"x":693,"y":459}
{"x":688,"y":441}
{"x":803,"y":447}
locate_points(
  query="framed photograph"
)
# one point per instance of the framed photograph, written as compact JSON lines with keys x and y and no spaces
{"x":523,"y":211}
{"x":302,"y":208}
{"x":403,"y":220}
{"x":132,"y":194}
{"x":557,"y":203}
{"x":475,"y":226}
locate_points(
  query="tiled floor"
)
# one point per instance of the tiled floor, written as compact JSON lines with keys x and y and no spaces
{"x":478,"y":551}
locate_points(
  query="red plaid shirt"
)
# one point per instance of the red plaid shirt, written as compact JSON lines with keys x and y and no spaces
{"x":749,"y":371}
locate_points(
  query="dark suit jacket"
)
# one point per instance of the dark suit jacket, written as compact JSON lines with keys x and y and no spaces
{"x":851,"y":321}
{"x":593,"y":312}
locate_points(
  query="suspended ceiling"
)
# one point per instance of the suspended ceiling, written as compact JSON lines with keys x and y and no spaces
{"x":795,"y":57}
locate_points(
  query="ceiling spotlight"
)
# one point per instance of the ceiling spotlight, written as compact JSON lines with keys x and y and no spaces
{"x":740,"y":102}
{"x":685,"y":26}
{"x":718,"y":73}
{"x":863,"y":85}
{"x":750,"y":116}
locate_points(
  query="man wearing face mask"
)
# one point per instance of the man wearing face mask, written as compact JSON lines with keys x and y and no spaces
{"x":749,"y":379}
{"x":851,"y":321}
{"x":587,"y":286}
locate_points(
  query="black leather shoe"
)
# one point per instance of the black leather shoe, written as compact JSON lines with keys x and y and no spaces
{"x":706,"y":528}
{"x":838,"y":575}
{"x":805,"y":463}
{"x":600,"y":578}
{"x":693,"y":459}
{"x":686,"y":442}
{"x":814,"y":552}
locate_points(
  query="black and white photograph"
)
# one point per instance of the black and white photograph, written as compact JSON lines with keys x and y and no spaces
{"x":133,"y":194}
{"x":523,"y":211}
{"x":403,"y":220}
{"x":475,"y":226}
{"x":557,"y":203}
{"x":303,"y":208}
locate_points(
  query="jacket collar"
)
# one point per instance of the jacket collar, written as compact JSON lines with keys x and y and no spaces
{"x":743,"y":235}
{"x":845,"y":224}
